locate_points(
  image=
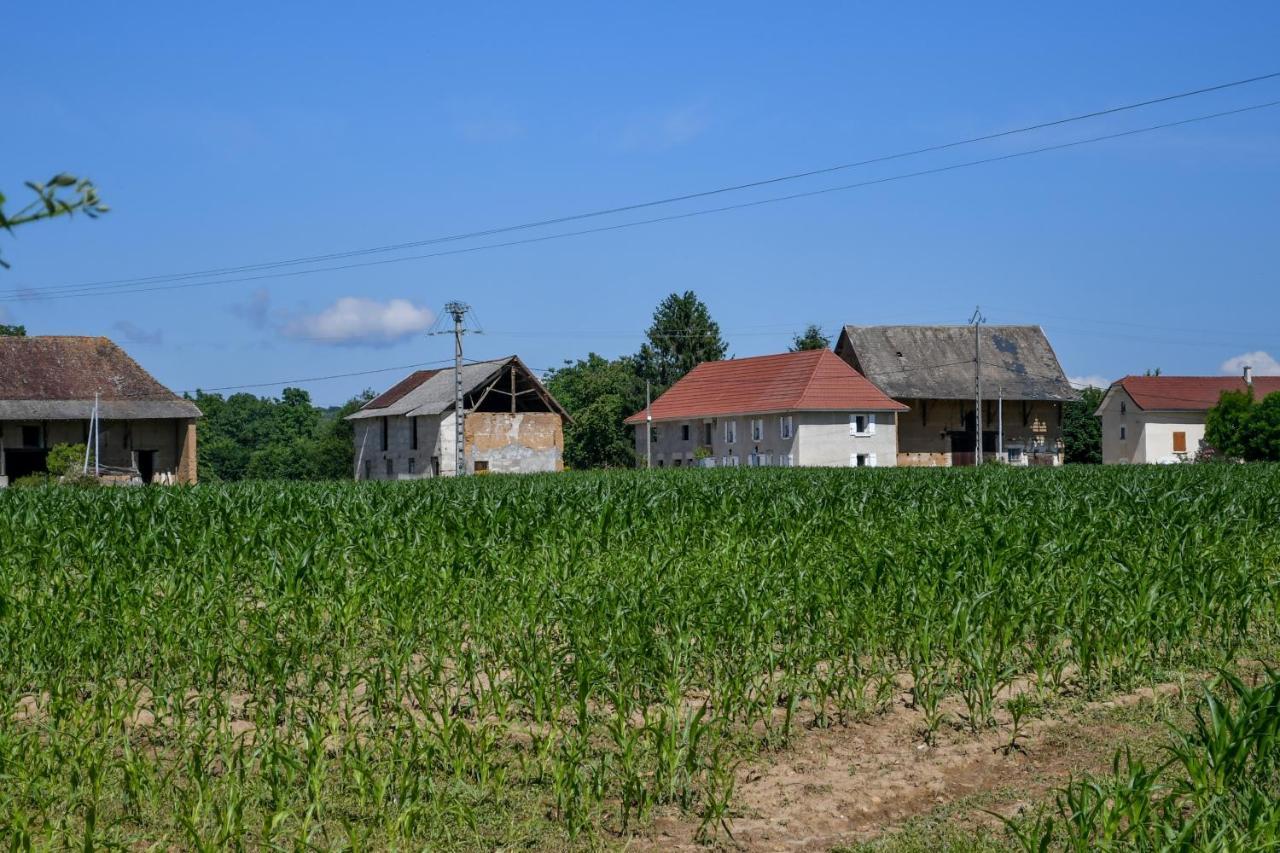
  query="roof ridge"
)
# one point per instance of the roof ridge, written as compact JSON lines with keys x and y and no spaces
{"x":813,"y":374}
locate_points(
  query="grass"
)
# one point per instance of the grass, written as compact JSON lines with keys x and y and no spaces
{"x":544,"y":661}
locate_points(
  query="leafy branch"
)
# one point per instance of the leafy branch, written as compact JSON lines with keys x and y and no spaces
{"x":61,"y":195}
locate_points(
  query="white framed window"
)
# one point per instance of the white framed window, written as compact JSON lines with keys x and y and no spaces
{"x":731,"y":461}
{"x":757,"y":429}
{"x":785,"y":460}
{"x":862,"y":424}
{"x":730,"y":431}
{"x":785,"y":426}
{"x":862,"y":460}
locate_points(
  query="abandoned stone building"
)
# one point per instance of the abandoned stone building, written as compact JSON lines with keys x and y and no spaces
{"x":932,"y":370}
{"x":511,"y":424}
{"x":47,"y":389}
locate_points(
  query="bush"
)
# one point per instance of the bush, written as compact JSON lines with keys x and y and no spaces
{"x":65,"y":459}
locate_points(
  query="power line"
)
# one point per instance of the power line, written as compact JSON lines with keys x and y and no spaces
{"x":559,"y":220}
{"x":28,"y":295}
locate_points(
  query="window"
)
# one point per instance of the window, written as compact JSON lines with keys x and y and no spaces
{"x":391,"y":466}
{"x":1179,"y":442}
{"x":31,"y":436}
{"x":413,"y":439}
{"x":1123,"y":408}
{"x":862,"y":425}
{"x":412,"y":464}
{"x":481,"y":466}
{"x":733,"y":461}
{"x":385,"y":429}
{"x":785,"y":426}
{"x":677,"y":462}
{"x":706,"y":438}
{"x":1122,"y":433}
{"x":653,"y":435}
{"x":757,"y":429}
{"x":661,"y":463}
{"x":785,"y":460}
{"x":730,"y":432}
{"x":684,"y":432}
{"x":1014,"y":453}
{"x":435,"y":466}
{"x":862,"y":460}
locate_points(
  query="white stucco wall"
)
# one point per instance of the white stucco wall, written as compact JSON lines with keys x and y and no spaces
{"x":817,"y":439}
{"x":1148,"y":436}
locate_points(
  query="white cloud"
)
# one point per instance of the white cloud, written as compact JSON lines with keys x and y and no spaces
{"x":1263,"y":364}
{"x":666,"y":130}
{"x":1092,"y":380}
{"x":353,"y":320}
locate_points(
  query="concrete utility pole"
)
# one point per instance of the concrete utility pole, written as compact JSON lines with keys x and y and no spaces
{"x":458,"y":310}
{"x":1000,"y":425}
{"x":648,"y":427}
{"x":977,"y":320}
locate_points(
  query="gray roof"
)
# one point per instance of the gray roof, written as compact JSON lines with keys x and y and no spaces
{"x":432,"y":392}
{"x":108,"y":410}
{"x":936,"y":362}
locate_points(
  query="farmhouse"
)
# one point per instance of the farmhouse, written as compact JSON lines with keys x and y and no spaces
{"x":931,"y":369}
{"x":1162,"y":418}
{"x":47,"y":388}
{"x":801,"y":408}
{"x":511,"y":424}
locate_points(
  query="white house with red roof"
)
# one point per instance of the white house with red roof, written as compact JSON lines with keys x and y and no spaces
{"x":799,"y":408}
{"x":1162,"y":418}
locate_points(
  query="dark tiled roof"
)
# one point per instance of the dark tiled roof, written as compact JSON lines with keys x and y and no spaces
{"x":57,"y":369}
{"x":815,"y":380}
{"x":397,"y":391}
{"x":1190,"y":393}
{"x":936,"y":362}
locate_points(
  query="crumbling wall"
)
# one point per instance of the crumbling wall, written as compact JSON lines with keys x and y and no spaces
{"x":520,"y":443}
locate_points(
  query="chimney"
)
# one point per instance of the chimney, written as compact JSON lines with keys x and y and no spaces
{"x":1248,"y":375}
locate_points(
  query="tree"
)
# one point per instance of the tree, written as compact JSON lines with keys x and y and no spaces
{"x":62,"y":195}
{"x":1227,"y":425}
{"x":599,"y":395}
{"x":1081,"y":431}
{"x":682,"y":336}
{"x":7,"y":331}
{"x":811,"y":338}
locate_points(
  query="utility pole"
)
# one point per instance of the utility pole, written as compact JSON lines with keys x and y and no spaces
{"x":648,"y":427}
{"x":977,"y":320}
{"x":1000,"y":425}
{"x":458,"y":310}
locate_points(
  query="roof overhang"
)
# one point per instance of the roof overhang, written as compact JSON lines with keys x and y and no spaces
{"x":108,"y":410}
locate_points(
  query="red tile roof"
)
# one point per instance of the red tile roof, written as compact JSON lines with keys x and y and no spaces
{"x":397,"y":391}
{"x":1190,"y":393}
{"x":816,"y":380}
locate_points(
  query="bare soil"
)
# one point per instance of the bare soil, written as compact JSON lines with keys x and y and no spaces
{"x":846,"y":785}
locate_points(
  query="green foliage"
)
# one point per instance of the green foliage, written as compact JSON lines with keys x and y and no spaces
{"x":599,"y":395}
{"x":62,"y":195}
{"x":244,"y":437}
{"x":1219,"y":789}
{"x":682,"y":336}
{"x":1081,"y":431}
{"x":65,"y":459}
{"x":499,"y":662}
{"x":1240,"y":428}
{"x":811,"y":338}
{"x":11,"y":331}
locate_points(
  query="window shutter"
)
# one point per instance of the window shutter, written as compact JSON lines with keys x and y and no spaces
{"x":853,"y":424}
{"x":853,"y":460}
{"x":871,"y":425}
{"x":871,"y":460}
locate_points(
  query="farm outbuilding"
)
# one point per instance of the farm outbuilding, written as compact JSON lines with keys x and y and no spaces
{"x":932,"y":370}
{"x":47,"y":390}
{"x":511,"y":424}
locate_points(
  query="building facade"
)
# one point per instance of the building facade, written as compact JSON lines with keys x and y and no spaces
{"x":146,"y":433}
{"x":1161,"y":419}
{"x":791,"y":409}
{"x":511,"y":425}
{"x":934,"y":370}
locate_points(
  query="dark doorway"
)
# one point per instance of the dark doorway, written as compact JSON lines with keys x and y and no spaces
{"x":20,"y":463}
{"x":146,"y":465}
{"x":962,"y":448}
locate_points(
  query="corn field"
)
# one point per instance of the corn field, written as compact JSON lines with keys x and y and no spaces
{"x":550,"y":659}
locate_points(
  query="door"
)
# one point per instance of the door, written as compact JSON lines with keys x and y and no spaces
{"x":146,"y":465}
{"x":20,"y":463}
{"x":962,"y":448}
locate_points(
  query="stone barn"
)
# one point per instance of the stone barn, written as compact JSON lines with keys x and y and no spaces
{"x":47,"y":388}
{"x":932,"y":370}
{"x":512,"y":424}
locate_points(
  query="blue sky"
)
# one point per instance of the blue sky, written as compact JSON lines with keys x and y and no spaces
{"x":237,"y":133}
